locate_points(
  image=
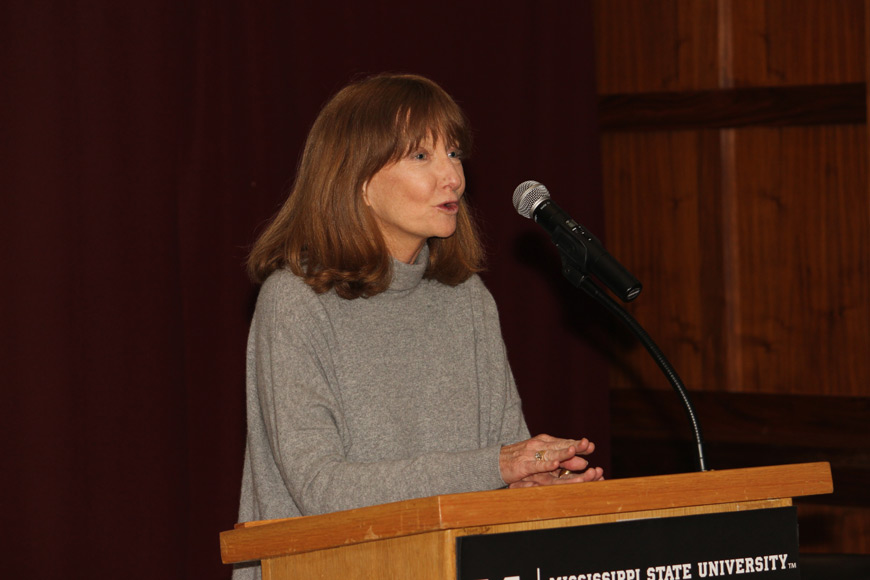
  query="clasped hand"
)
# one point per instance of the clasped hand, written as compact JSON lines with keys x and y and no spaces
{"x":546,"y":460}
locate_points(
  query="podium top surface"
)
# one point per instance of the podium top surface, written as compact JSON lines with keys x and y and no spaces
{"x":256,"y":540}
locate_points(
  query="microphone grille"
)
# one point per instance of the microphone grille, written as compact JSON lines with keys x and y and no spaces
{"x":528,"y":195}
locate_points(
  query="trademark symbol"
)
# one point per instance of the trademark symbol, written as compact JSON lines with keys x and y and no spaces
{"x":792,"y":565}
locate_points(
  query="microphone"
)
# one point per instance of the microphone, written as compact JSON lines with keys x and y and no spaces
{"x":577,"y":244}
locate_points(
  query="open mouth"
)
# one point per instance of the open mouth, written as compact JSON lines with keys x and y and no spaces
{"x":450,"y":206}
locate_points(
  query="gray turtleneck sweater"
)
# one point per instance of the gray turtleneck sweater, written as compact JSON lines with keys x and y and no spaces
{"x":359,"y":402}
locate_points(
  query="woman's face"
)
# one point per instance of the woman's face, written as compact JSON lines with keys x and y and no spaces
{"x":417,"y":197}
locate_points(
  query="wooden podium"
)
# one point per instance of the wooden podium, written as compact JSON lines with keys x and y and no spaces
{"x":417,"y":538}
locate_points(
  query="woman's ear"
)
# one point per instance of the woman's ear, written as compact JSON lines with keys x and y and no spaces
{"x":365,"y":195}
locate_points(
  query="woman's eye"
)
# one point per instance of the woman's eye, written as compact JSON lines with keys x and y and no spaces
{"x":455,"y":154}
{"x":420,"y":155}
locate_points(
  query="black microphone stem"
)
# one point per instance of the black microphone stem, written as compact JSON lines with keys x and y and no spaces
{"x":582,"y":281}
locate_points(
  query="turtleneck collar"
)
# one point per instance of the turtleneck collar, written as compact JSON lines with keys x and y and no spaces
{"x":407,"y":276}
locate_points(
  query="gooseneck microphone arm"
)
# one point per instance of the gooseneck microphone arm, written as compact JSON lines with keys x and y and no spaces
{"x":582,"y":281}
{"x":529,"y":198}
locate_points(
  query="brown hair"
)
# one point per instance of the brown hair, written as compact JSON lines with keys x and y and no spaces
{"x":324,"y":232}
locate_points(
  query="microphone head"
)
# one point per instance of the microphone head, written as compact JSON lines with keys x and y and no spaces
{"x":528,"y":195}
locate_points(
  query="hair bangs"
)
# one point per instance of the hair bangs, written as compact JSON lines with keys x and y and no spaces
{"x":433,"y":115}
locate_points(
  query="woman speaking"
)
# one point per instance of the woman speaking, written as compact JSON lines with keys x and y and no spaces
{"x":376,"y":367}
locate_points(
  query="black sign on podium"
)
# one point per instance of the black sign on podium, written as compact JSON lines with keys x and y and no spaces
{"x":754,"y":544}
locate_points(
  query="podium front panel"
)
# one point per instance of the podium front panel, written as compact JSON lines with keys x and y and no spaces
{"x":760,"y":544}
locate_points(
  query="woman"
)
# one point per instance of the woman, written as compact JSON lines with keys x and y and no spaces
{"x":376,"y":368}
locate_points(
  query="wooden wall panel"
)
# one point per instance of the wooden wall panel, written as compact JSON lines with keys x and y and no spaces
{"x":664,"y":202}
{"x":804,"y":260}
{"x":770,"y":308}
{"x":655,"y":46}
{"x":796,"y":42}
{"x":735,"y":154}
{"x":851,"y":525}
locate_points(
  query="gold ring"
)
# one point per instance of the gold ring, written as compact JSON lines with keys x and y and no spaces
{"x":541,"y":455}
{"x":563,"y":472}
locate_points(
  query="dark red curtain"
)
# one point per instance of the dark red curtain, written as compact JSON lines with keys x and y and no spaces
{"x":143,"y":145}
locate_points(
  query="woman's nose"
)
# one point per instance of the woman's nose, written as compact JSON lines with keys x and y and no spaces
{"x":452,"y":174}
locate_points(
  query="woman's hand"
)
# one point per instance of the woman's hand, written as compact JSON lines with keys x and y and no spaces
{"x":546,"y":460}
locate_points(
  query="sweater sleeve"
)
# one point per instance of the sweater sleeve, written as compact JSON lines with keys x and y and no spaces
{"x":299,"y":420}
